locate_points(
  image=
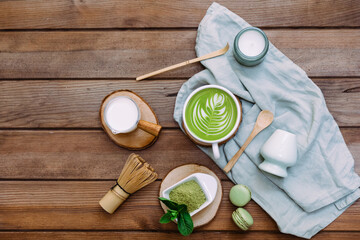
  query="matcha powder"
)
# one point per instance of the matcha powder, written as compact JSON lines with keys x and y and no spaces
{"x":190,"y":194}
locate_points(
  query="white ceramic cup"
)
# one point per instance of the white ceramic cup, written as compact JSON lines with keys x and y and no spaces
{"x":215,"y":143}
{"x":122,"y":115}
{"x":279,"y":152}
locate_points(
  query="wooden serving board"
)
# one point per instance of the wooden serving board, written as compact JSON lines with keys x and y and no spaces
{"x":137,"y":139}
{"x":207,"y":214}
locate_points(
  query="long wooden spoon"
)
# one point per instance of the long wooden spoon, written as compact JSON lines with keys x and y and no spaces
{"x":264,"y":119}
{"x":207,"y":56}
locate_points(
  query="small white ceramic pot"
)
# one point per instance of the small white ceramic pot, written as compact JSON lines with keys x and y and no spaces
{"x":207,"y":183}
{"x":279,"y":152}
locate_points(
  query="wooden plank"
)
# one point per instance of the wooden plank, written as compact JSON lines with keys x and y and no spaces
{"x":342,"y":99}
{"x":128,"y":54}
{"x":75,"y":103}
{"x":91,"y":155}
{"x":88,"y":154}
{"x":73,"y":205}
{"x":26,"y":14}
{"x":250,"y":235}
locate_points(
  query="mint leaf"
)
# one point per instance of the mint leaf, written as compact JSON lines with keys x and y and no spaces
{"x":173,"y":214}
{"x":182,"y":208}
{"x":179,"y":211}
{"x":185,"y":223}
{"x":166,"y":218}
{"x":170,"y":204}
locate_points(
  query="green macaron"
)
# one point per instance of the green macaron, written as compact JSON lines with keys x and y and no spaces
{"x":240,"y":195}
{"x":242,"y":219}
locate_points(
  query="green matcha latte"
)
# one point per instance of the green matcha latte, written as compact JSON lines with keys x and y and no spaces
{"x":211,"y":114}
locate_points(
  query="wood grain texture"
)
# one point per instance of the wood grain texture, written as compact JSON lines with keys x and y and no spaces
{"x":128,"y":54}
{"x":130,"y":235}
{"x":88,"y":154}
{"x":74,"y":205}
{"x":59,"y":58}
{"x":92,"y":155}
{"x":37,"y":14}
{"x":75,"y":103}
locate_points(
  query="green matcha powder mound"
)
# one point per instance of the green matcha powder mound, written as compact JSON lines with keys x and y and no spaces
{"x":190,"y":194}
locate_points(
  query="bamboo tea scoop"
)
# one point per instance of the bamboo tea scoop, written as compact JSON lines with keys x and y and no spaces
{"x":264,"y":119}
{"x":207,"y":56}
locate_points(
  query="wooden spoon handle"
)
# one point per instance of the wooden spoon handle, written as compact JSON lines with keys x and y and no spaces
{"x":164,"y":70}
{"x":234,"y":159}
{"x":194,"y":60}
{"x":149,"y":127}
{"x":263,"y":120}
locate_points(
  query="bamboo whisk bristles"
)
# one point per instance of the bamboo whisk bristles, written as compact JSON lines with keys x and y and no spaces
{"x":136,"y":174}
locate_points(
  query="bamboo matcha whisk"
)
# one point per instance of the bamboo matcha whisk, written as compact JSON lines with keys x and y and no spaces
{"x":135,"y":175}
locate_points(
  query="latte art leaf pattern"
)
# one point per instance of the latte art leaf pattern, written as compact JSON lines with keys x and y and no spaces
{"x":211,"y":114}
{"x":213,"y":118}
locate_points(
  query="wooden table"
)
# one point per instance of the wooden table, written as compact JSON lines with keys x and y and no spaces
{"x":59,"y":58}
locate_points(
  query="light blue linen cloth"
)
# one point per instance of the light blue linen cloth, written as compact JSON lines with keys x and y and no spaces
{"x":323,"y":183}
